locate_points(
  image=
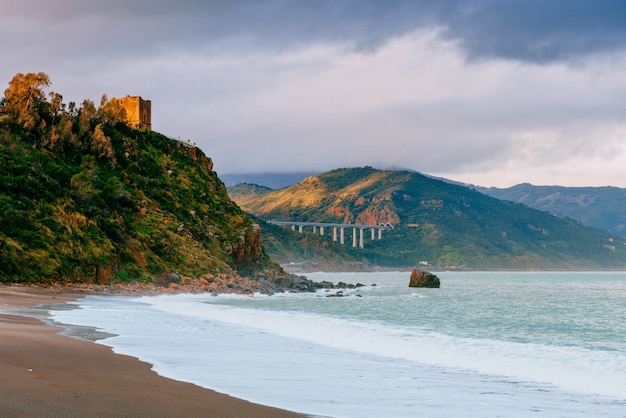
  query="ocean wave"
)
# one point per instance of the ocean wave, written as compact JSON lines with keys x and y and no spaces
{"x":569,"y":368}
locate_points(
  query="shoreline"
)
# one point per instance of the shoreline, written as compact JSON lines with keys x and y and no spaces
{"x":43,"y":372}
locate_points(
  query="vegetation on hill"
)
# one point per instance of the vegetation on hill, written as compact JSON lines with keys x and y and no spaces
{"x":85,"y":198}
{"x":308,"y":252}
{"x":442,"y":224}
{"x":296,"y":251}
{"x":600,"y":207}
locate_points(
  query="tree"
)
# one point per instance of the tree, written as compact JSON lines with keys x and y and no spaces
{"x":86,"y":114}
{"x":111,"y":111}
{"x":102,"y":143}
{"x":57,"y":107}
{"x":25,"y":99}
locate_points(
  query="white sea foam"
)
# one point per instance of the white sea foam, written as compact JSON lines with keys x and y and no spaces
{"x":570,"y":368}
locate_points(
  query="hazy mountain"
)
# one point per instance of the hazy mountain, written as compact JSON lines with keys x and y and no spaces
{"x":271,"y":180}
{"x":601,"y":207}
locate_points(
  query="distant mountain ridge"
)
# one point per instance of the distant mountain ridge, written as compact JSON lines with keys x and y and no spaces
{"x":446,"y":225}
{"x":601,"y":207}
{"x":271,"y":180}
{"x":279,"y":180}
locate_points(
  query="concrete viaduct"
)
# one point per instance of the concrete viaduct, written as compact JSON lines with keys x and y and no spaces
{"x":340,"y":227}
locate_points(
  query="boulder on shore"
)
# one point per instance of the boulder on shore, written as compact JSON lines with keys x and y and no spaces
{"x":423,"y":278}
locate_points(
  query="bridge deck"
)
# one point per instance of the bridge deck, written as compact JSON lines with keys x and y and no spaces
{"x":330,"y":225}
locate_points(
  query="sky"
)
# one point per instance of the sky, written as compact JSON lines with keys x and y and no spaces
{"x":486,"y":92}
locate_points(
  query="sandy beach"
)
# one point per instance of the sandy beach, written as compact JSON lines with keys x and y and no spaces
{"x":45,"y":374}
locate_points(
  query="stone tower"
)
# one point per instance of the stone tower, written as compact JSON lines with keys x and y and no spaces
{"x":138,"y":111}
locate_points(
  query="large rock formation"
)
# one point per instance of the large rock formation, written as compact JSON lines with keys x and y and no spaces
{"x":422,"y":278}
{"x":249,"y":254}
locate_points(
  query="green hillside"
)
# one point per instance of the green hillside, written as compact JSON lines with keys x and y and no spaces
{"x":445,"y":225}
{"x":298,"y":252}
{"x":600,"y":207}
{"x":309,"y":252}
{"x":84,"y":198}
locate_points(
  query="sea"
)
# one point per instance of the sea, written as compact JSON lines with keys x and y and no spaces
{"x":484,"y":344}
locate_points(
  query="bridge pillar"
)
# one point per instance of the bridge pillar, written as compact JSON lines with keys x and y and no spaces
{"x":314,"y":229}
{"x":341,"y":237}
{"x":300,"y":228}
{"x":353,"y":237}
{"x":335,"y":233}
{"x":321,"y":230}
{"x":293,"y":227}
{"x":360,"y":237}
{"x":380,"y":234}
{"x":373,"y":236}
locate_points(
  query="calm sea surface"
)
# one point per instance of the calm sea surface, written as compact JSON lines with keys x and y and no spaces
{"x":483,"y":345}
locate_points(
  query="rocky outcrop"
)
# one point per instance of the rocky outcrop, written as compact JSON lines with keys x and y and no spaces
{"x":423,"y":278}
{"x":341,"y":212}
{"x":247,"y":255}
{"x":199,"y":156}
{"x":376,"y":215}
{"x":104,"y":274}
{"x":268,"y":283}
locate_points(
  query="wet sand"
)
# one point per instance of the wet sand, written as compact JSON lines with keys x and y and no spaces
{"x":45,"y":374}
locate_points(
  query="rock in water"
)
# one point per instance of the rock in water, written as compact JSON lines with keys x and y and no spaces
{"x":423,"y":278}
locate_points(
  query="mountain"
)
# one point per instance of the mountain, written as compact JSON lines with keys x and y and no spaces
{"x":600,"y":207}
{"x":85,"y":198}
{"x":278,"y":180}
{"x":438,"y":223}
{"x":270,"y":180}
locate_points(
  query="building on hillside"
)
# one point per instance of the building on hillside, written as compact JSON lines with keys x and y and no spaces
{"x":138,"y":111}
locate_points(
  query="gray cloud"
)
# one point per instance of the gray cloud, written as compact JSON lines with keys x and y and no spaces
{"x":536,"y":30}
{"x":491,"y":91}
{"x":531,"y":30}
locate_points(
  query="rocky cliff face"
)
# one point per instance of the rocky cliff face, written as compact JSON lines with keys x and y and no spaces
{"x":372,"y":210}
{"x":376,"y":215}
{"x":249,"y":254}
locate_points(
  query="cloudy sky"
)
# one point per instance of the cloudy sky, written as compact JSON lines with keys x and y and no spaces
{"x":488,"y":92}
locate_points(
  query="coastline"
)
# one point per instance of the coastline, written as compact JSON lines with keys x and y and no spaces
{"x":45,"y":372}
